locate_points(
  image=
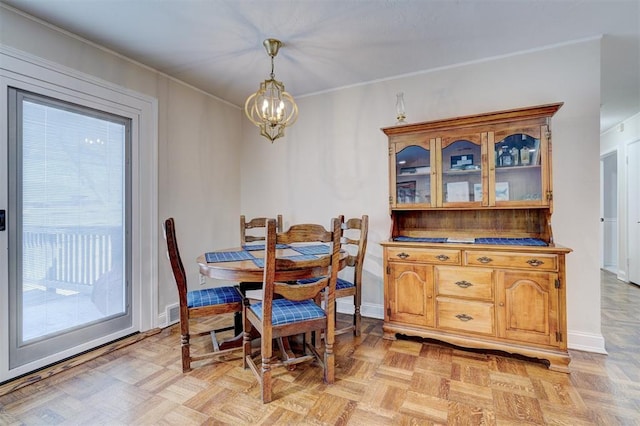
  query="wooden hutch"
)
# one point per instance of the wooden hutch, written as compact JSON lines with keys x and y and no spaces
{"x":471,"y":260}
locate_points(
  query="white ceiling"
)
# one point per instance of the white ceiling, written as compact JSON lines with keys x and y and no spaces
{"x":216,"y":45}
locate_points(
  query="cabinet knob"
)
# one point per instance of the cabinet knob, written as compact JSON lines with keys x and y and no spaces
{"x":403,"y":255}
{"x":442,"y":257}
{"x":535,"y":262}
{"x":484,"y":259}
{"x":464,"y":317}
{"x":501,"y":303}
{"x":464,"y":284}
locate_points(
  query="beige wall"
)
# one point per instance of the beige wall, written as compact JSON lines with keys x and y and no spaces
{"x":212,"y":166}
{"x":334,"y":160}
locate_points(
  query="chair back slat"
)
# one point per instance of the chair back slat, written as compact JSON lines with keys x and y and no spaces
{"x":299,"y":292}
{"x":258,"y":222}
{"x":302,"y":233}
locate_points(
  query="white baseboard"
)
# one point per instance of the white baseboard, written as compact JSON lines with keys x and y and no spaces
{"x":587,"y":342}
{"x":369,"y":310}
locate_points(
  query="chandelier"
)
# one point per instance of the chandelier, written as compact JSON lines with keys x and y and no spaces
{"x":271,"y":108}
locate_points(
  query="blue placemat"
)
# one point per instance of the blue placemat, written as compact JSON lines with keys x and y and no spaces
{"x":511,"y":241}
{"x":495,"y":241}
{"x":227,"y":256}
{"x":420,"y":240}
{"x":314,"y":249}
{"x":255,"y":247}
{"x":260,"y":262}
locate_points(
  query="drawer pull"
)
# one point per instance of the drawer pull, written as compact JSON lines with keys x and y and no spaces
{"x":403,"y":255}
{"x":442,"y":257}
{"x":535,"y":262}
{"x":464,"y":317}
{"x":484,"y":259}
{"x":464,"y":284}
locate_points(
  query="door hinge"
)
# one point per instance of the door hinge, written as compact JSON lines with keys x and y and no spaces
{"x":558,"y":336}
{"x":557,"y":283}
{"x":388,"y":311}
{"x":549,"y":195}
{"x":388,"y":269}
{"x":390,"y":200}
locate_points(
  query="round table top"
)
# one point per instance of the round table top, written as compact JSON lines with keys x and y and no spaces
{"x":248,"y":271}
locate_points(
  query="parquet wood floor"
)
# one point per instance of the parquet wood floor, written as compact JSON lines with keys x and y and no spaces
{"x":378,"y":382}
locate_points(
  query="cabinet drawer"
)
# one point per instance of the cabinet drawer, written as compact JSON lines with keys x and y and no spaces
{"x":530,"y":261}
{"x":446,"y":257}
{"x":462,"y":315}
{"x":470,"y":283}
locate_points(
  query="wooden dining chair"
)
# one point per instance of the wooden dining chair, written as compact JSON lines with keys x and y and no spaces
{"x":258,"y":222}
{"x":354,"y":241}
{"x":290,"y":309}
{"x":203,"y":303}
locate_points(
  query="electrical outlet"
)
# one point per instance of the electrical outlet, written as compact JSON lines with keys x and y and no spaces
{"x":203,"y":279}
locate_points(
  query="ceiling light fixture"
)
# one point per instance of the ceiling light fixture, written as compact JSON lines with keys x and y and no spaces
{"x":271,"y":108}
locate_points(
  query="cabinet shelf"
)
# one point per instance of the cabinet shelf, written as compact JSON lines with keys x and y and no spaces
{"x":414,"y":174}
{"x":517,"y":168}
{"x":461,"y":172}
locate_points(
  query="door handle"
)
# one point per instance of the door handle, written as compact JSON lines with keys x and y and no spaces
{"x":2,"y":225}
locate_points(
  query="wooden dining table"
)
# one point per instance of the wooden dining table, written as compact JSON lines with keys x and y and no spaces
{"x":245,"y":265}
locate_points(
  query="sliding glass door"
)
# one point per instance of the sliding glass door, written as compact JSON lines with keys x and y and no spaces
{"x":69,"y":240}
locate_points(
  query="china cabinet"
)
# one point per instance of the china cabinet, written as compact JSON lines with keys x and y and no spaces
{"x":471,"y":259}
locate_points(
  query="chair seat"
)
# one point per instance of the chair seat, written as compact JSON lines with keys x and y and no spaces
{"x":340,"y":284}
{"x":213,"y":296}
{"x":285,"y":311}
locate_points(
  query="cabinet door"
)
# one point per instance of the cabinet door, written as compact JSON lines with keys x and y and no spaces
{"x":410,"y":293}
{"x":411,"y":175}
{"x":462,"y":163}
{"x":527,"y":307}
{"x":519,"y":167}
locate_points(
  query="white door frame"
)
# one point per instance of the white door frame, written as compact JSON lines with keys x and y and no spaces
{"x":18,"y":67}
{"x":605,"y":222}
{"x":633,"y":213}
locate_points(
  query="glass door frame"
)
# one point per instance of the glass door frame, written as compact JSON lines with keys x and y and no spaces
{"x":23,"y":349}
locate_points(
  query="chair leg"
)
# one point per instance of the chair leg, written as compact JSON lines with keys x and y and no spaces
{"x":246,"y":337}
{"x":329,"y":364}
{"x":357,"y":318}
{"x":246,"y":349}
{"x":267,"y":352}
{"x":186,"y":356}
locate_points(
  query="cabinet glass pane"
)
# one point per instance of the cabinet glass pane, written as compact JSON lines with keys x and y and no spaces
{"x":518,"y":171}
{"x":413,"y":175}
{"x":461,"y":172}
